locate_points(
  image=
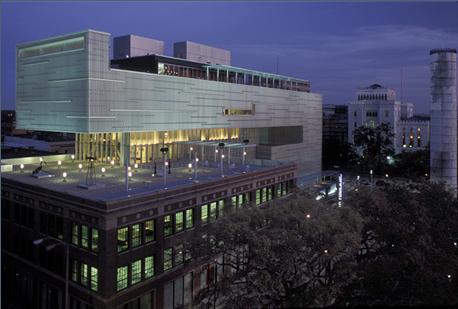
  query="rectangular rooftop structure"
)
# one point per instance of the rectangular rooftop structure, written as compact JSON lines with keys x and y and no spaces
{"x":201,"y":53}
{"x":129,"y":46}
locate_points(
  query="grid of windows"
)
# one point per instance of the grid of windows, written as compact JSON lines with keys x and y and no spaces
{"x":136,"y":235}
{"x":84,"y":274}
{"x":85,"y":237}
{"x":137,"y":271}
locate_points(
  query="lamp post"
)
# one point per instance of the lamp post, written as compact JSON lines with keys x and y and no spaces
{"x":216,"y":153}
{"x":371,"y":172}
{"x":221,"y":146}
{"x":164,"y":151}
{"x":245,"y":141}
{"x":67,"y":264}
{"x":190,"y":153}
{"x":195,"y":168}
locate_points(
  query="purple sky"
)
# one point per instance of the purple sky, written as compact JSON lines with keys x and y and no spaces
{"x":337,"y":46}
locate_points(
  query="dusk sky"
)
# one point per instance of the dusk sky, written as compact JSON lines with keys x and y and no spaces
{"x":339,"y":47}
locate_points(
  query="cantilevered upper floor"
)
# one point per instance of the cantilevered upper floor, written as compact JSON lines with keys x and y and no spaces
{"x":68,"y":84}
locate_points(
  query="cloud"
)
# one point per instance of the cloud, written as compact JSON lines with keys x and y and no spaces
{"x":338,"y":64}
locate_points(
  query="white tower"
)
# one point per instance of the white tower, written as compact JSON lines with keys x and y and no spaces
{"x":443,"y":116}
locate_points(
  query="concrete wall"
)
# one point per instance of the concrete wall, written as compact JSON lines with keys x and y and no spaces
{"x":78,"y":92}
{"x":201,"y":53}
{"x":443,"y":117}
{"x":134,"y":46}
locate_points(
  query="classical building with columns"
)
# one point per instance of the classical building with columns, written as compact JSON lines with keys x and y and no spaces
{"x":375,"y":105}
{"x":163,"y":144}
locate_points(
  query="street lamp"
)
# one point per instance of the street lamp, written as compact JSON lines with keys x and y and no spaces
{"x":245,"y":141}
{"x":59,"y":163}
{"x":195,"y":168}
{"x":64,"y":175}
{"x":221,"y":146}
{"x":371,"y":172}
{"x":38,"y":242}
{"x":164,"y":151}
{"x":103,"y":171}
{"x":73,"y":158}
{"x":216,"y":153}
{"x":190,"y":153}
{"x":80,"y":166}
{"x":112,"y":163}
{"x":21,"y":167}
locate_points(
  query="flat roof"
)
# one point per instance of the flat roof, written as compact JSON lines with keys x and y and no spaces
{"x":141,"y":183}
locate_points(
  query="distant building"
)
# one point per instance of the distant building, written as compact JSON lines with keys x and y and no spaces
{"x":443,"y":116}
{"x":375,"y":105}
{"x":335,"y":133}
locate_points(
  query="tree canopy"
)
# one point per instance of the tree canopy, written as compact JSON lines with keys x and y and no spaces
{"x":294,"y":252}
{"x":375,"y":145}
{"x":409,"y":253}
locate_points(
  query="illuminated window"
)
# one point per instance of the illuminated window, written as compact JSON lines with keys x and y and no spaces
{"x":179,"y":224}
{"x":234,"y":200}
{"x":258,"y":197}
{"x":189,"y":218}
{"x":240,"y":200}
{"x":94,"y":239}
{"x":149,"y":267}
{"x":213,"y":211}
{"x":122,"y":239}
{"x":204,"y":213}
{"x":94,"y":278}
{"x":264,"y":194}
{"x":84,"y":236}
{"x":84,"y":274}
{"x":269,"y":193}
{"x":168,"y":227}
{"x":75,"y":234}
{"x":149,"y":230}
{"x":121,"y":278}
{"x":168,"y":259}
{"x":136,"y":236}
{"x":220,"y":208}
{"x":136,"y":268}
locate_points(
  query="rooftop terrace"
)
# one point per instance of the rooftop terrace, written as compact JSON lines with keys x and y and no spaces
{"x":111,"y":184}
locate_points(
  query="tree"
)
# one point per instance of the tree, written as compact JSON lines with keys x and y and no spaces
{"x":375,"y":145}
{"x":409,"y":252}
{"x":293,"y":252}
{"x":411,"y":164}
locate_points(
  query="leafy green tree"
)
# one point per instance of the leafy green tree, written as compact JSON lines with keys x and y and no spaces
{"x":375,"y":145}
{"x":409,"y":252}
{"x":293,"y":252}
